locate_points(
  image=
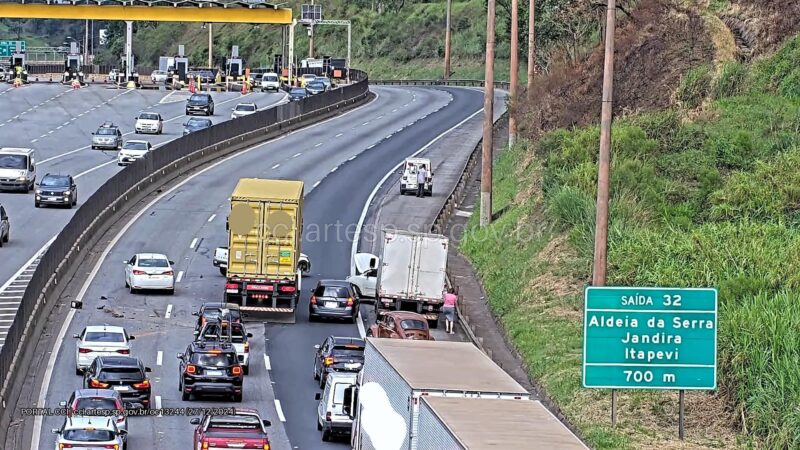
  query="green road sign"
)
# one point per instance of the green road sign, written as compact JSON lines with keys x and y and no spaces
{"x":8,"y":48}
{"x":650,"y":338}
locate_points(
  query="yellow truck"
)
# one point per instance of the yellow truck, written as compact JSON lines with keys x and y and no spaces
{"x":264,"y":235}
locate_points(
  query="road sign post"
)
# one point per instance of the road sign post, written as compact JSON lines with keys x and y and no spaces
{"x":650,"y":338}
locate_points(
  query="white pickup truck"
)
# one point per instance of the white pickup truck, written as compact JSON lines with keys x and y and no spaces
{"x":221,"y":260}
{"x":408,"y":181}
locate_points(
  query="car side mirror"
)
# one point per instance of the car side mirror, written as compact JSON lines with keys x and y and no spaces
{"x":316,"y":346}
{"x":195,"y":421}
{"x":56,"y":431}
{"x":266,"y":423}
{"x":62,"y":403}
{"x":122,"y":432}
{"x":180,"y":355}
{"x":317,"y":396}
{"x":147,"y":369}
{"x":130,"y":338}
{"x":76,"y":336}
{"x":312,"y":290}
{"x":172,"y":262}
{"x":195,"y":313}
{"x":249,"y":335}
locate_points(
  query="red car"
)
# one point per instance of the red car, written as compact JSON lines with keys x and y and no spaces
{"x":241,"y":429}
{"x":401,"y":325}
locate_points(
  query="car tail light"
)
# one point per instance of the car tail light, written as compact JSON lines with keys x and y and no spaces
{"x":237,"y":370}
{"x":328,"y":416}
{"x":143,"y":385}
{"x":114,"y":446}
{"x":139,"y":272}
{"x":62,"y":446}
{"x":205,"y":444}
{"x":191,"y":368}
{"x":97,"y":384}
{"x":246,"y":347}
{"x":215,"y":352}
{"x":84,"y":350}
{"x":124,"y":351}
{"x":349,"y":301}
{"x":168,"y":272}
{"x":329,"y":360}
{"x":266,"y":446}
{"x":287,"y":289}
{"x":231,"y":286}
{"x":313,"y":300}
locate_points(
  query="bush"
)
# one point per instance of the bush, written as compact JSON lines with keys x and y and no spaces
{"x":731,"y":80}
{"x":695,"y":87}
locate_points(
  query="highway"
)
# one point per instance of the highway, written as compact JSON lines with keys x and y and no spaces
{"x":57,"y":122}
{"x":341,"y":161}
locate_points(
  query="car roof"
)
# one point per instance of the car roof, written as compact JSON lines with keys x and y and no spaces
{"x":339,"y":283}
{"x":214,"y":305}
{"x":148,"y":112}
{"x":109,"y":328}
{"x":104,"y":393}
{"x":55,"y":175}
{"x":344,"y":376}
{"x":406,"y":315}
{"x":418,"y":160}
{"x":151,"y":255}
{"x":20,"y":150}
{"x":207,"y":346}
{"x":119,"y":361}
{"x":81,"y":422}
{"x":246,"y":104}
{"x":134,"y":141}
{"x":345,"y":340}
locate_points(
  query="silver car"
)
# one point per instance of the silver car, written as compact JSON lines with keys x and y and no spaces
{"x":89,"y":432}
{"x":107,"y":137}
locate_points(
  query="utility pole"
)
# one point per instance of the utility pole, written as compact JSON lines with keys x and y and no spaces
{"x":86,"y":43}
{"x":488,"y":115}
{"x":447,"y":37}
{"x":311,"y":36}
{"x":531,"y":47}
{"x":603,"y":169}
{"x":210,"y":44}
{"x":512,"y":104}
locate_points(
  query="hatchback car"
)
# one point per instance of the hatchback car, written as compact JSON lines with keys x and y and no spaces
{"x":149,"y":271}
{"x":97,"y":402}
{"x":100,"y":340}
{"x":200,"y":103}
{"x":333,"y":299}
{"x":401,"y":325}
{"x":5,"y":226}
{"x":90,"y":433}
{"x":243,"y":109}
{"x":337,"y":354}
{"x":316,"y":87}
{"x":195,"y":124}
{"x":124,"y":374}
{"x":210,"y":368}
{"x":133,"y":151}
{"x":107,"y":137}
{"x":149,"y":122}
{"x":58,"y":190}
{"x":297,"y":94}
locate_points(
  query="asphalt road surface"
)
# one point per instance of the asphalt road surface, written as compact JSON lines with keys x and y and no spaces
{"x":340,"y":160}
{"x":57,"y":122}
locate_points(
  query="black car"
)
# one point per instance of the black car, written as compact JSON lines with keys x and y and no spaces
{"x":210,"y":368}
{"x":211,"y":310}
{"x":58,"y":190}
{"x":333,"y":299}
{"x":297,"y":94}
{"x":200,"y":103}
{"x":124,"y":374}
{"x":316,"y":87}
{"x":196,"y":124}
{"x":338,"y":354}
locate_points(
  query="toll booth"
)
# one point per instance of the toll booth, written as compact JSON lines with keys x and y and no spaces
{"x":179,"y":68}
{"x":19,"y":65}
{"x":234,"y":66}
{"x":277,"y":63}
{"x":73,"y":68}
{"x":123,"y":70}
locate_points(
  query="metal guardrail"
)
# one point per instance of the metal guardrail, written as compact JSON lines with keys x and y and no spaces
{"x":59,"y":263}
{"x":505,"y":85}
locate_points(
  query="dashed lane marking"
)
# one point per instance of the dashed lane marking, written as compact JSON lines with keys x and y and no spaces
{"x":168,"y":314}
{"x":279,"y":410}
{"x":212,"y":217}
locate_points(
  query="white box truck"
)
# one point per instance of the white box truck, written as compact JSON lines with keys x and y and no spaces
{"x":409,"y":275}
{"x":397,"y":373}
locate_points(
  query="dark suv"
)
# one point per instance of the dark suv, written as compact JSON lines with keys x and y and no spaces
{"x":56,"y":190}
{"x":124,"y":374}
{"x":200,"y":103}
{"x":210,"y":368}
{"x":338,"y":354}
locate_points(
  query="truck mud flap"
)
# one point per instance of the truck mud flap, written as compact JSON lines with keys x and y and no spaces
{"x":264,"y":314}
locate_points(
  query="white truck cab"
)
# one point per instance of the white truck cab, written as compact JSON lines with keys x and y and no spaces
{"x":408,"y":181}
{"x":17,"y":168}
{"x":364,"y":274}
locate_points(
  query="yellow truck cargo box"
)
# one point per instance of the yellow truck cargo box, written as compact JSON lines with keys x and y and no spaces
{"x":265,"y":229}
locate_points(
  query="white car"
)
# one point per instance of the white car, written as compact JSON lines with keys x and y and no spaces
{"x":149,"y":122}
{"x":100,"y":340}
{"x":306,"y":78}
{"x":364,"y":274}
{"x":149,"y":271}
{"x":158,"y":76}
{"x":270,"y":81}
{"x":90,"y":433}
{"x":133,"y":150}
{"x":243,"y":109}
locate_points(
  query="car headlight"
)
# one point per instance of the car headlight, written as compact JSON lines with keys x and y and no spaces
{"x":38,"y":191}
{"x":22,"y":178}
{"x":66,"y":74}
{"x":66,"y":194}
{"x":80,"y":74}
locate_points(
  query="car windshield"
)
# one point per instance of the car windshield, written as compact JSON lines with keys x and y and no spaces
{"x":348,"y":351}
{"x":148,"y":116}
{"x":13,"y":162}
{"x":270,"y":78}
{"x":299,"y":91}
{"x":121,"y":374}
{"x":135,"y":146}
{"x":214,"y":313}
{"x":198,"y":123}
{"x":213,"y":359}
{"x":88,"y":435}
{"x":55,"y":182}
{"x":323,"y":80}
{"x":107,"y":131}
{"x":153,"y":262}
{"x":241,"y":422}
{"x":197,"y":98}
{"x":103,"y":336}
{"x":95,"y":403}
{"x":338,"y":393}
{"x":412,"y":324}
{"x":317,"y":85}
{"x":245,"y":107}
{"x":332,"y":291}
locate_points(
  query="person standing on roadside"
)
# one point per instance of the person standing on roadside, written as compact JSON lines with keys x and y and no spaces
{"x":422,"y":177}
{"x":449,"y":309}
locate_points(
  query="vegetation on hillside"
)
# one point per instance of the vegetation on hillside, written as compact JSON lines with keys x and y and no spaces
{"x":705,"y":197}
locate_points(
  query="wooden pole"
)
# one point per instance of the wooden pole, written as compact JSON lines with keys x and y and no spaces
{"x":488,"y":114}
{"x":512,"y":104}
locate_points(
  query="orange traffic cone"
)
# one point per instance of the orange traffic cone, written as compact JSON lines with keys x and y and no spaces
{"x":191,"y":86}
{"x":76,"y":84}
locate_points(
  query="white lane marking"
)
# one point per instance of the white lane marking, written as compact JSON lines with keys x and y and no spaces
{"x":281,"y":417}
{"x":59,"y":127}
{"x":180,"y":277}
{"x":297,"y":154}
{"x":318,"y":144}
{"x":360,"y":325}
{"x":267,"y":364}
{"x":352,"y":157}
{"x":334,"y":169}
{"x":275,"y":166}
{"x":371,"y":146}
{"x":317,"y":183}
{"x":65,"y":123}
{"x":159,"y":358}
{"x":365,"y":124}
{"x":86,"y":172}
{"x":212,"y":217}
{"x":389,"y":136}
{"x":394,"y":110}
{"x":34,"y":140}
{"x":339,"y":135}
{"x":168,"y":314}
{"x":194,"y":242}
{"x":158,"y":404}
{"x":37,"y":426}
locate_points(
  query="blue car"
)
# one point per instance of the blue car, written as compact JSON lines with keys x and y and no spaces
{"x":195,"y":124}
{"x":297,"y":94}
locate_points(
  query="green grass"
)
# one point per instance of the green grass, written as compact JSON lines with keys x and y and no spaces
{"x":712,"y":201}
